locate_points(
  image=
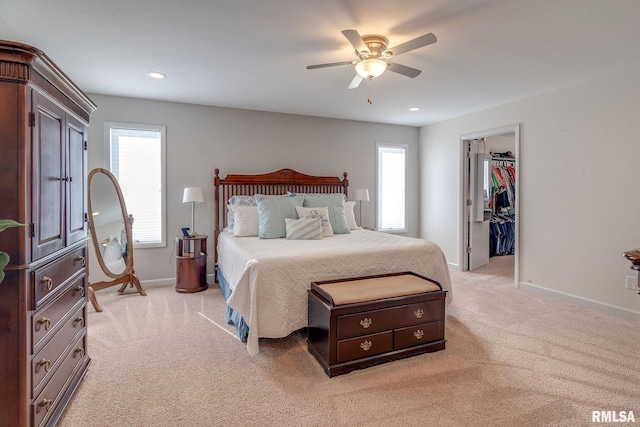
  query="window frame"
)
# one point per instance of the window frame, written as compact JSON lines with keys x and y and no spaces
{"x":163,"y":173}
{"x":379,"y":198}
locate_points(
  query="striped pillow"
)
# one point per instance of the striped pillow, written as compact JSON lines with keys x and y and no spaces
{"x":303,"y":229}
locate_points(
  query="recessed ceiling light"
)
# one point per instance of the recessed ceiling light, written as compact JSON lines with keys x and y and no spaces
{"x":414,"y":109}
{"x":156,"y":75}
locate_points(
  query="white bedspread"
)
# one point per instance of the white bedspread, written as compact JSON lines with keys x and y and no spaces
{"x":269,"y":278}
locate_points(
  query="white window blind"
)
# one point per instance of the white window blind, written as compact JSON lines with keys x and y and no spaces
{"x":137,"y":161}
{"x":391,"y":187}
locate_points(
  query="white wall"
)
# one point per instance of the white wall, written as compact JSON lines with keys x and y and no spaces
{"x":200,"y":139}
{"x":579,"y":207}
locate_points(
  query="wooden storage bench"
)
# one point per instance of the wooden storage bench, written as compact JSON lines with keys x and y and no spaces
{"x":361,"y":322}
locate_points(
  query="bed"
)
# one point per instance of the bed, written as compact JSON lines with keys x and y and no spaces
{"x":265,"y":277}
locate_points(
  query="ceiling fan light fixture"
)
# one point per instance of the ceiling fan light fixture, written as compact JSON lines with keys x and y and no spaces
{"x":371,"y":68}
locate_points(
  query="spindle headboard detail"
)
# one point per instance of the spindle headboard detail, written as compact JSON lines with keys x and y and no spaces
{"x":274,"y":183}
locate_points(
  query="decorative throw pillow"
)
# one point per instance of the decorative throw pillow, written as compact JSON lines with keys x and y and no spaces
{"x":320,"y":213}
{"x":241,"y":200}
{"x":245,"y":221}
{"x":272,"y":211}
{"x":335,"y":204}
{"x":350,"y":215}
{"x":303,"y":229}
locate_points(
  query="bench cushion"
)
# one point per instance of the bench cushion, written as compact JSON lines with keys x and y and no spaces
{"x":363,"y":290}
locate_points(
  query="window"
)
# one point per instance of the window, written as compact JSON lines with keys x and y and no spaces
{"x":391,"y":187}
{"x":136,"y":156}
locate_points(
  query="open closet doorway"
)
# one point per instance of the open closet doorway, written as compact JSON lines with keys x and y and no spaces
{"x":490,"y":198}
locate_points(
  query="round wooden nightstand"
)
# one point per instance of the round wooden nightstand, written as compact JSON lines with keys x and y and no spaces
{"x":191,"y":264}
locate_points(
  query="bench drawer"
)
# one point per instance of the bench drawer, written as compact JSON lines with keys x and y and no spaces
{"x":418,"y":334}
{"x":368,"y":322}
{"x":364,"y":346}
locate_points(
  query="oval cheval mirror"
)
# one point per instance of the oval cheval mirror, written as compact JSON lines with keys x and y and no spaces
{"x":110,"y":226}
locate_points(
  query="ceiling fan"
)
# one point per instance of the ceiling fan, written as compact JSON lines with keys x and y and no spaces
{"x":373,"y":56}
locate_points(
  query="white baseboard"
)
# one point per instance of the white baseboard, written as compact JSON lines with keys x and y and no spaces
{"x":585,"y":302}
{"x":454,"y":266}
{"x":171,"y":281}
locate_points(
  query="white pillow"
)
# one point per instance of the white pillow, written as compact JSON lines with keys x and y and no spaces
{"x":320,"y":213}
{"x":113,"y":251}
{"x":245,"y":221}
{"x":303,"y":229}
{"x":350,"y":215}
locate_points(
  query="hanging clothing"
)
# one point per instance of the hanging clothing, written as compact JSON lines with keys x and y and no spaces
{"x":503,"y":205}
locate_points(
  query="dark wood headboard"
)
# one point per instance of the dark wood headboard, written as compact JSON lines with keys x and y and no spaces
{"x":274,"y":183}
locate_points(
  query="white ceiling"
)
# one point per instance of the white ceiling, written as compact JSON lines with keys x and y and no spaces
{"x":252,"y":54}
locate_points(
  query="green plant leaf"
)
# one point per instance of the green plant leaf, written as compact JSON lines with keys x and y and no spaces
{"x":7,"y":223}
{"x":4,"y":260}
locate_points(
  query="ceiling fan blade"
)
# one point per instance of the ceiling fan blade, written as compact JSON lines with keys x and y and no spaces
{"x":356,"y":40}
{"x":416,"y":43}
{"x":356,"y":81}
{"x":404,"y":70}
{"x":331,"y":64}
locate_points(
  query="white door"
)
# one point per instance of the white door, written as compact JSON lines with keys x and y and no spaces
{"x":477,"y":193}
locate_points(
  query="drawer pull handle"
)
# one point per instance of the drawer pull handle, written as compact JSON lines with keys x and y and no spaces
{"x":46,"y":364}
{"x":419,"y":313}
{"x":366,"y":345}
{"x":418,"y":334}
{"x":46,"y":322}
{"x":83,"y":262}
{"x":80,"y":350}
{"x":46,"y":403}
{"x":81,"y":290}
{"x":366,"y":322}
{"x":48,"y":282}
{"x":79,"y":320}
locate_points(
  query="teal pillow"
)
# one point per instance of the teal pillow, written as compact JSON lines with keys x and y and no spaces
{"x":304,"y":229}
{"x":272,"y":211}
{"x":335,"y":204}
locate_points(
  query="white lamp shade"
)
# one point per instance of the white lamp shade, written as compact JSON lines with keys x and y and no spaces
{"x":371,"y":68}
{"x":192,"y":194}
{"x":362,"y":195}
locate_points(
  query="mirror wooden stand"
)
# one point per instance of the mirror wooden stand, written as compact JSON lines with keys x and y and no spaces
{"x":110,"y":226}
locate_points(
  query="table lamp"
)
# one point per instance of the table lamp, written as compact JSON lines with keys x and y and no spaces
{"x":192,"y":195}
{"x":362,"y":195}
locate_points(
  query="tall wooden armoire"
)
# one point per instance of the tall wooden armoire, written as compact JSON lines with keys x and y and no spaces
{"x":44,"y":122}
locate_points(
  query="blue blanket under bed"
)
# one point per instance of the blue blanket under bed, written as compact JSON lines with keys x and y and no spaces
{"x":233,"y":317}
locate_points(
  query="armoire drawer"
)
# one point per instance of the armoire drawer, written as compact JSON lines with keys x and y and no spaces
{"x":46,"y":322}
{"x":47,"y":360}
{"x":49,"y":278}
{"x":53,"y":391}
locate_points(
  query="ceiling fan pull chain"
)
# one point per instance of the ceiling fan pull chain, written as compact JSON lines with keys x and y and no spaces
{"x":369,"y":100}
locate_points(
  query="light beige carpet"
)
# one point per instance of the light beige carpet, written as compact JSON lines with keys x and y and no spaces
{"x":512,"y":359}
